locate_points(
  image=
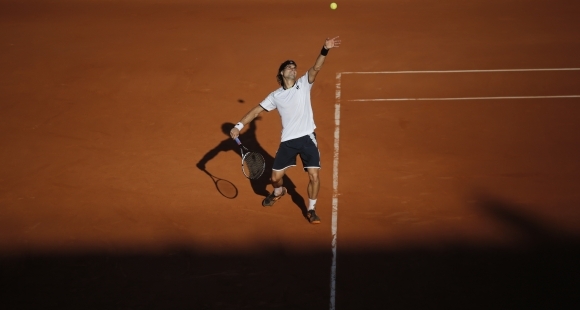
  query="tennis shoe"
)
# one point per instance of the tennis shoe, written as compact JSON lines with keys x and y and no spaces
{"x":312,"y":217}
{"x":271,"y":199}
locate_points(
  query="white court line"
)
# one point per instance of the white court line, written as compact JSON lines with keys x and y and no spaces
{"x":468,"y":98}
{"x":337,"y":132}
{"x":335,"y":193}
{"x":465,"y":71}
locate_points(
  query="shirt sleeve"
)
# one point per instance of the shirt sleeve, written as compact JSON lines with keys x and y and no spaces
{"x":268,"y":103}
{"x":304,"y":81}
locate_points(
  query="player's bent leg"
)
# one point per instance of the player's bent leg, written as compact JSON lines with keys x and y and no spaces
{"x":277,"y":178}
{"x":279,"y":190}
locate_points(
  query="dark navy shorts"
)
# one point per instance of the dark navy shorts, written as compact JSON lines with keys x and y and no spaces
{"x":305,"y":146}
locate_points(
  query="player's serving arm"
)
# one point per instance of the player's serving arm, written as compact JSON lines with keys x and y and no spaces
{"x":292,"y":100}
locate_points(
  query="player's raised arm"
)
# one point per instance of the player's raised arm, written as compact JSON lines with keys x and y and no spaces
{"x":328,"y":44}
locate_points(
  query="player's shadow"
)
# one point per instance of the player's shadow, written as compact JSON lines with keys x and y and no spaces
{"x":249,"y":139}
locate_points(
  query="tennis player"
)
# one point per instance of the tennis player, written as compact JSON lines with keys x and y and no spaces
{"x":292,"y":100}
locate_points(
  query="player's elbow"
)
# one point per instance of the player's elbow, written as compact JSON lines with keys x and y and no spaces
{"x":312,"y":73}
{"x":257,"y":111}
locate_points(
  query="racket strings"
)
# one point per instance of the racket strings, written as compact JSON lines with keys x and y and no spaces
{"x":253,"y":165}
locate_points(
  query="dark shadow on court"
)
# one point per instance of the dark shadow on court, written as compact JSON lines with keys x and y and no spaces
{"x":223,"y":186}
{"x":250,"y":140}
{"x":541,"y":273}
{"x":181,"y":278}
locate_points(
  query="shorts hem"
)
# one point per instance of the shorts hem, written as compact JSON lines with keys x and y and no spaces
{"x":283,"y":168}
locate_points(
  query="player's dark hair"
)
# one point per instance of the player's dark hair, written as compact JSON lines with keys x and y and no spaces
{"x":282,"y":66}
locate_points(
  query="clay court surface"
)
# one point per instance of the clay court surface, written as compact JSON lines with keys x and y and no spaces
{"x":449,"y":135}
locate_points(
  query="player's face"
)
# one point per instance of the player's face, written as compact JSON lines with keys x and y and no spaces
{"x":289,"y":72}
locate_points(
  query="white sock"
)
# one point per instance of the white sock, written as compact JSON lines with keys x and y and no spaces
{"x":312,"y":204}
{"x":278,"y":191}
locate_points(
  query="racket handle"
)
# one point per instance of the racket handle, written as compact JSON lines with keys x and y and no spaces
{"x":238,"y":141}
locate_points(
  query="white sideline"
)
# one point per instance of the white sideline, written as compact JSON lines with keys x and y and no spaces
{"x":335,"y":192}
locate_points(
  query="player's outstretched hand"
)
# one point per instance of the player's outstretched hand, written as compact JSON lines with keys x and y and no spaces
{"x":331,"y":43}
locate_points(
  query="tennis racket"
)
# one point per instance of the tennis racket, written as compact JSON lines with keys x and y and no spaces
{"x":253,"y":163}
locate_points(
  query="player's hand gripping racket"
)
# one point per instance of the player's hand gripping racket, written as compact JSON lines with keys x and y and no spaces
{"x":253,"y":163}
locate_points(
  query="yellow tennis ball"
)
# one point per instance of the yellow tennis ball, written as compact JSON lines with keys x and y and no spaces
{"x":333,"y":6}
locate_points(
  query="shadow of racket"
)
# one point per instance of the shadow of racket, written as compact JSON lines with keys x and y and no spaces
{"x":224,"y":187}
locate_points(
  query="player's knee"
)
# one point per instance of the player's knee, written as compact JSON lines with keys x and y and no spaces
{"x":313,"y":175}
{"x":276,"y":177}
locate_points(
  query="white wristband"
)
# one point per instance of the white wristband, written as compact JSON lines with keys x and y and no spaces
{"x":239,"y":126}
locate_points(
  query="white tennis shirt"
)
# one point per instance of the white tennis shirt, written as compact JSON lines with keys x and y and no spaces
{"x":294,"y":107}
